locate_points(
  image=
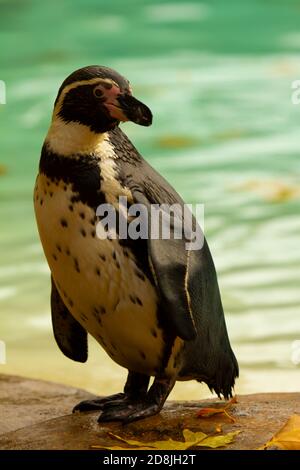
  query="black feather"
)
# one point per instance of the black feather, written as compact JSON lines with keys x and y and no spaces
{"x":70,"y":336}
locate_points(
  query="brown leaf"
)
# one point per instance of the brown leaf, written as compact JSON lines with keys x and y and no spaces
{"x":207,"y":412}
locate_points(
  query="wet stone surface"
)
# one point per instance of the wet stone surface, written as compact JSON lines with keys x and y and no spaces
{"x":37,"y":415}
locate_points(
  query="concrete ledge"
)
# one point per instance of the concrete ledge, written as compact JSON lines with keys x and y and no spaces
{"x":36,"y":415}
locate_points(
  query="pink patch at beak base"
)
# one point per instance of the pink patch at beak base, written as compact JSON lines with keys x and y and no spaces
{"x":116,"y":111}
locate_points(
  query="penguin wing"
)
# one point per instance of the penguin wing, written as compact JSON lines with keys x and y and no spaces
{"x":69,"y":334}
{"x":168,"y":258}
{"x":169,"y":263}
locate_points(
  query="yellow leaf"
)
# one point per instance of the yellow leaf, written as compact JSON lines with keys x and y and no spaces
{"x":191,"y":439}
{"x":288,"y":438}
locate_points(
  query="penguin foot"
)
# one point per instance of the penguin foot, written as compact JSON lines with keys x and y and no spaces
{"x":136,"y":386}
{"x":126,"y":413}
{"x":130,"y":410}
{"x":98,"y":403}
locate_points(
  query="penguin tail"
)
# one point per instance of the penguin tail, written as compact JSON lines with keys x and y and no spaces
{"x":222,"y":380}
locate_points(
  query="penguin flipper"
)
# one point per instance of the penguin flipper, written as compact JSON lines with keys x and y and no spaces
{"x":168,"y":261}
{"x":70,"y":336}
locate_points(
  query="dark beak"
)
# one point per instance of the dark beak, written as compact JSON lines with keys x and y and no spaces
{"x":127,"y":108}
{"x":135,"y":110}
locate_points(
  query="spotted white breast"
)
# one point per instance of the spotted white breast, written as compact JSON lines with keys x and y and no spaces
{"x":98,"y":280}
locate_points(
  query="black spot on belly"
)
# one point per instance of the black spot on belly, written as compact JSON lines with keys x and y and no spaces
{"x":63,"y":223}
{"x":51,"y":193}
{"x":71,"y":208}
{"x":98,"y":272}
{"x":83,"y":232}
{"x":41,"y":202}
{"x":93,"y":233}
{"x":70,"y":302}
{"x":103,"y":310}
{"x":76,"y":265}
{"x":68,"y":252}
{"x":132,"y":299}
{"x":54,"y":257}
{"x":83,"y":316}
{"x":142,"y":354}
{"x":95,"y":312}
{"x":118,"y":264}
{"x":65,"y":188}
{"x":139,"y":301}
{"x":82,"y":215}
{"x":103,"y":257}
{"x":114,"y":255}
{"x":48,"y":184}
{"x":58,"y":247}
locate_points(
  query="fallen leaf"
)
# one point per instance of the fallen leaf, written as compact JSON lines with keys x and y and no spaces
{"x":191,"y":439}
{"x":288,"y":438}
{"x":207,"y":412}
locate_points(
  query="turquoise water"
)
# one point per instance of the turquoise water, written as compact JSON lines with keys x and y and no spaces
{"x":217,"y":76}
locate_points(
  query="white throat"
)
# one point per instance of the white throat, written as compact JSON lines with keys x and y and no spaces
{"x":72,"y":138}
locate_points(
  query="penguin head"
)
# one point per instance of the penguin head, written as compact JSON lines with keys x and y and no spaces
{"x":99,"y":97}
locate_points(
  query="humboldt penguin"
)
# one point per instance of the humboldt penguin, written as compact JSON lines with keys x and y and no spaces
{"x":153,"y":305}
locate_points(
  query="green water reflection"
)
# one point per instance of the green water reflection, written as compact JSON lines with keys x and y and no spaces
{"x":217,"y":76}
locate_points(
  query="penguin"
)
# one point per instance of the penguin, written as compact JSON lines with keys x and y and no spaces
{"x":150,"y":303}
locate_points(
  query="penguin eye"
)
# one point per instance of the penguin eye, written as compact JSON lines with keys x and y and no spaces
{"x":98,"y":92}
